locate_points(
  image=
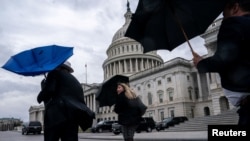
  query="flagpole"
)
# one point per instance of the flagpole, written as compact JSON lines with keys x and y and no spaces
{"x":86,"y":72}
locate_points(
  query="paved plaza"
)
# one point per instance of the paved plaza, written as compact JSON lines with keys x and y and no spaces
{"x":153,"y":136}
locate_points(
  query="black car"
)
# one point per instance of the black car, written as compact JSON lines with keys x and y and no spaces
{"x":34,"y":127}
{"x":170,"y":121}
{"x":101,"y":126}
{"x":146,"y":124}
{"x":116,"y":128}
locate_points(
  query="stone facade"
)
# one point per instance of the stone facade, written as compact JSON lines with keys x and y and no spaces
{"x":36,"y":113}
{"x":7,"y":124}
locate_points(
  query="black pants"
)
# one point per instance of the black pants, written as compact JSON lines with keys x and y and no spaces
{"x":244,"y":112}
{"x":66,"y":132}
{"x":128,"y":131}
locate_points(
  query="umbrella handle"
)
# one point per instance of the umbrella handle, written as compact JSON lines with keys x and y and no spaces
{"x":45,"y":76}
{"x":185,"y":35}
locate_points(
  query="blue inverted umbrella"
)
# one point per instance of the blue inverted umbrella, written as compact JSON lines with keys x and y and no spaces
{"x":39,"y":60}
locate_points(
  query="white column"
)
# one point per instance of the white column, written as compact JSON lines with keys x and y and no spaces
{"x":119,"y":67}
{"x":199,"y":85}
{"x":88,"y":103}
{"x":125,"y":66}
{"x":113,"y":69}
{"x":108,"y":71}
{"x":91,"y":101}
{"x":142,"y":64}
{"x":131,"y":65}
{"x":105,"y":72}
{"x":147,"y":64}
{"x":213,"y":79}
{"x":115,"y":72}
{"x":94,"y":103}
{"x":136,"y":65}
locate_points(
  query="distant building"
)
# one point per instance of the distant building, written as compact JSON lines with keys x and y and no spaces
{"x":7,"y":124}
{"x":36,"y":113}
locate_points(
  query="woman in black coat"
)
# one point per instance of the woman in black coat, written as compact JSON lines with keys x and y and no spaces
{"x":65,"y":108}
{"x":128,"y":115}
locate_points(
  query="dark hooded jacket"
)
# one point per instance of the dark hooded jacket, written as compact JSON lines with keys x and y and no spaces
{"x":64,"y":100}
{"x":232,"y":57}
{"x":128,"y":113}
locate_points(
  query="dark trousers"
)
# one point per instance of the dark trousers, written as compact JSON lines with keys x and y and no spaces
{"x":66,"y":132}
{"x":244,"y":112}
{"x":128,"y":132}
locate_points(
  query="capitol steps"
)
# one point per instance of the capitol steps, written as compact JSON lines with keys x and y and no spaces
{"x":229,"y":117}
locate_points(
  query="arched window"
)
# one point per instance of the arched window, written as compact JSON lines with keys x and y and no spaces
{"x":159,"y":82}
{"x":196,"y":91}
{"x":150,"y":99}
{"x":169,"y":80}
{"x":138,"y":88}
{"x":160,"y":96}
{"x":170,"y":92}
{"x":190,"y":89}
{"x":206,"y":111}
{"x":161,"y":115}
{"x":148,"y":85}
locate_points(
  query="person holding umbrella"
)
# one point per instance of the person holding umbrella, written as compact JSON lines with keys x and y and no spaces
{"x":126,"y":107}
{"x":231,"y":59}
{"x":65,"y":108}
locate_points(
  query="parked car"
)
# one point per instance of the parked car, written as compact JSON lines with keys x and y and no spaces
{"x":101,"y":126}
{"x":170,"y":121}
{"x":181,"y":119}
{"x":146,"y":124}
{"x":116,"y":128}
{"x":34,"y":127}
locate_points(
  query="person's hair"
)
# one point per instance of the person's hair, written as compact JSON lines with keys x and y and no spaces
{"x":129,"y":93}
{"x":244,"y":4}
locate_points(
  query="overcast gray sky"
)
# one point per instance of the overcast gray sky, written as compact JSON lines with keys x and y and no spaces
{"x":86,"y":25}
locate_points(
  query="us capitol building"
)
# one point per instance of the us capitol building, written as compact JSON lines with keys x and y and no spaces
{"x":172,"y":88}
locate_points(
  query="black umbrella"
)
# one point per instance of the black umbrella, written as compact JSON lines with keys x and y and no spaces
{"x":107,"y":94}
{"x":166,"y":24}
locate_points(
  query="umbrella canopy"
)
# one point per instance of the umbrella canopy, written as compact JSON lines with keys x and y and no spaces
{"x":38,"y":60}
{"x":107,"y":94}
{"x":166,"y":24}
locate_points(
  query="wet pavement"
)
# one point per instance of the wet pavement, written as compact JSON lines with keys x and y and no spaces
{"x":153,"y":136}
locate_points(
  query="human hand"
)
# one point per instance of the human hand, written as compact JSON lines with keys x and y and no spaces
{"x":196,"y":58}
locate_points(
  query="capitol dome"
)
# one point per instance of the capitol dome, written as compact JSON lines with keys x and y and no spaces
{"x":125,"y":55}
{"x":121,"y":32}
